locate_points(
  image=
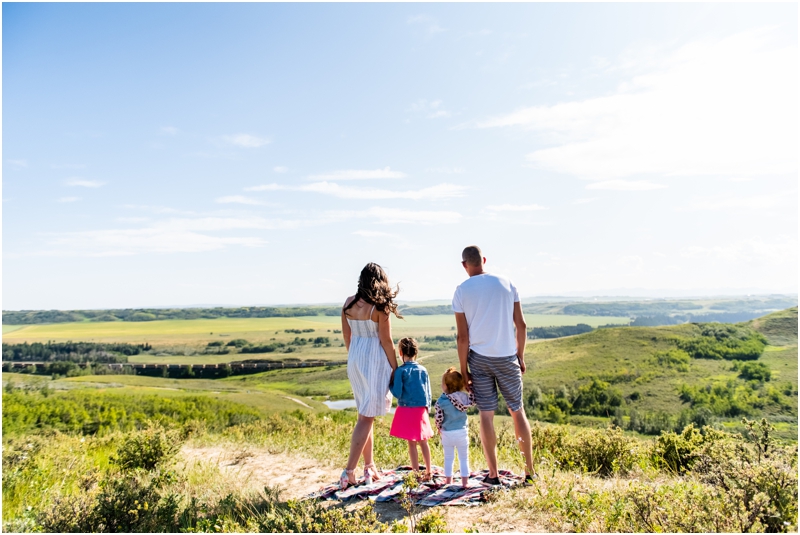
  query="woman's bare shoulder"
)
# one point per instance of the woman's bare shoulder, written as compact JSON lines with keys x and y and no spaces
{"x":348,"y":300}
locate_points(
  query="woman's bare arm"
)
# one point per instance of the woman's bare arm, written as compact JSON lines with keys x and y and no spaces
{"x":346,"y":326}
{"x":385,"y":335}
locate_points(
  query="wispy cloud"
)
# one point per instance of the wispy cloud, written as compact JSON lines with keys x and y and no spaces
{"x":168,"y":130}
{"x":387,"y":237}
{"x":373,"y":234}
{"x":240,"y":199}
{"x":125,"y":242}
{"x":440,"y":191}
{"x":428,"y":22}
{"x":358,"y":174}
{"x":746,"y":250}
{"x":69,"y":199}
{"x":83,"y":183}
{"x":625,"y":185}
{"x":198,"y":234}
{"x":68,"y":166}
{"x":280,"y":169}
{"x":514,"y":208}
{"x":721,"y":107}
{"x":446,"y":170}
{"x":431,"y":109}
{"x":756,"y":202}
{"x":18,"y":163}
{"x":397,"y":216}
{"x":247,"y":141}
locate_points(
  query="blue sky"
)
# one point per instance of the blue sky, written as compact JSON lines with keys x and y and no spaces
{"x":240,"y":154}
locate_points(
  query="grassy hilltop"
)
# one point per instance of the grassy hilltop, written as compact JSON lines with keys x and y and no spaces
{"x":136,"y":453}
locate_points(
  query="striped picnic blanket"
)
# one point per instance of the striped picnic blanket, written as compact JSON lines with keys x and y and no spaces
{"x":428,"y":494}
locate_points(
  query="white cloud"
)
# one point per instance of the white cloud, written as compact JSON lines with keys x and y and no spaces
{"x":440,"y":191}
{"x":398,"y":216}
{"x":280,"y":169}
{"x":84,"y":183}
{"x":430,"y":24}
{"x":69,"y":199}
{"x":373,"y":234}
{"x":756,"y":202}
{"x":68,"y":166}
{"x":748,"y":251}
{"x":122,"y":242}
{"x":239,"y":199}
{"x":358,"y":174}
{"x":514,"y":208}
{"x":431,"y":109}
{"x":721,"y":107}
{"x":247,"y":141}
{"x":18,"y":163}
{"x":169,"y":130}
{"x":631,"y":262}
{"x":446,"y":170}
{"x":625,"y":185}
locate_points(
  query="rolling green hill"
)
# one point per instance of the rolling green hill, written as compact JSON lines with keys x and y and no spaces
{"x":662,"y":376}
{"x":780,"y":328}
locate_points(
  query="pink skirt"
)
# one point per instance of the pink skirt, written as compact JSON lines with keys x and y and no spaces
{"x":411,"y":423}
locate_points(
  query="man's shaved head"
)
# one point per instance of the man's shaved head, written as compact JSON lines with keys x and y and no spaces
{"x":472,"y":255}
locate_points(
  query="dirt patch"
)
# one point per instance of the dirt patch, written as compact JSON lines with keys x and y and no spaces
{"x":298,"y":401}
{"x":256,"y":468}
{"x":299,"y":476}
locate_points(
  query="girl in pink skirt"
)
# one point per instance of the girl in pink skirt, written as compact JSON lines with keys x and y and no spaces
{"x":412,"y":389}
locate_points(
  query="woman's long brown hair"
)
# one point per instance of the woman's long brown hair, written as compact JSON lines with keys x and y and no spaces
{"x":373,"y":288}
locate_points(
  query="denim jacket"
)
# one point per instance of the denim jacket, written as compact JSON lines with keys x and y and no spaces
{"x":411,"y":386}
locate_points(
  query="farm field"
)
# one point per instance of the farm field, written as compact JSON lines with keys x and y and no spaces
{"x":194,"y":334}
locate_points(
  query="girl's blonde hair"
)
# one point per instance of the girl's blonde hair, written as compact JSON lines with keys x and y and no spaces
{"x":408,"y":347}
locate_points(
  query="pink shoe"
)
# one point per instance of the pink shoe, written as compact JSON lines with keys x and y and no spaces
{"x":344,"y":479}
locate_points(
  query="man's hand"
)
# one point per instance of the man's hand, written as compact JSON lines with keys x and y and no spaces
{"x":467,"y":380}
{"x":521,"y":365}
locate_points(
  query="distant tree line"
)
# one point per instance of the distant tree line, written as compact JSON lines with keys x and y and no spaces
{"x":426,"y":311}
{"x":720,"y":317}
{"x":672,"y":312}
{"x":72,"y":351}
{"x":558,"y":332}
{"x":26,"y":317}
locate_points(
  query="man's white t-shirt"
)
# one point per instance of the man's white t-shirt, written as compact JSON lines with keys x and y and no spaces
{"x":488,"y":303}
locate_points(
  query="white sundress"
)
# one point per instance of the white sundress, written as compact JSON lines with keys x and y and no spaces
{"x":368,"y":369}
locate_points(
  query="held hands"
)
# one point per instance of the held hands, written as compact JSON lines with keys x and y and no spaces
{"x":467,"y":380}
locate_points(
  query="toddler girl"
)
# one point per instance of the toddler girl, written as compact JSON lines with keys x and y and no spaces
{"x":412,"y":389}
{"x":451,"y":420}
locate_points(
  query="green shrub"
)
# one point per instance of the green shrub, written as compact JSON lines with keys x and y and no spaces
{"x":432,"y":522}
{"x":679,"y":452}
{"x":755,"y":477}
{"x":753,"y":371}
{"x":674,"y":358}
{"x":721,"y":341}
{"x":605,"y":452}
{"x":147,"y":449}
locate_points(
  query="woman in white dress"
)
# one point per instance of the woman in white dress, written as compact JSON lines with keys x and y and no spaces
{"x":371,"y":360}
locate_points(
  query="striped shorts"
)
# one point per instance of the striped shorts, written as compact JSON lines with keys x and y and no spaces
{"x":489,"y":373}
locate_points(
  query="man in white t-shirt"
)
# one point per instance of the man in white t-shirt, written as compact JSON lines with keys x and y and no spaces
{"x":491,"y":348}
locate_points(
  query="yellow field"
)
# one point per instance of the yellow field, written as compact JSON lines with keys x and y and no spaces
{"x":195,"y":333}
